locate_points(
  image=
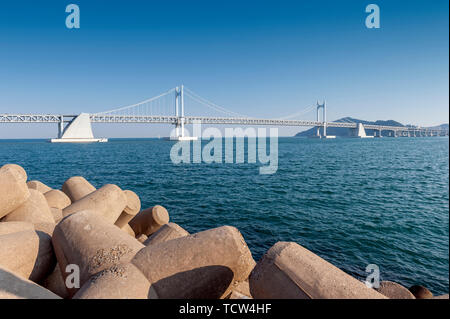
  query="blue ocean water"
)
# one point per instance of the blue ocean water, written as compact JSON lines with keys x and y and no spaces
{"x":354,"y":202}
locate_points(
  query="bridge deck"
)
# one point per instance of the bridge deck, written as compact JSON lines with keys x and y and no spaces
{"x":99,"y":118}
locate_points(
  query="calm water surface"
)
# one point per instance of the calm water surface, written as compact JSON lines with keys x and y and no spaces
{"x":353,"y":202}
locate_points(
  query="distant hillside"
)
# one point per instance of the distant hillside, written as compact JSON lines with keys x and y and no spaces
{"x":345,"y":132}
{"x":439,"y":127}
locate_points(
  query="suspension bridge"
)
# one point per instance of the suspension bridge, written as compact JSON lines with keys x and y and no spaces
{"x":174,"y":107}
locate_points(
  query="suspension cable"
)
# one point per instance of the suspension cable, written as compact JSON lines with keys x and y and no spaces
{"x":211,"y":105}
{"x":304,"y":111}
{"x":137,"y":104}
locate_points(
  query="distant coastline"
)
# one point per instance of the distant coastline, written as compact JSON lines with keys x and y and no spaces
{"x":346,"y":132}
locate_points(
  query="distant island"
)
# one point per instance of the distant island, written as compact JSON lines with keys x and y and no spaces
{"x":346,"y":132}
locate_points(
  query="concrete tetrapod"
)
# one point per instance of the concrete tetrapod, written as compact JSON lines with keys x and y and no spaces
{"x":127,"y":228}
{"x":393,"y":290}
{"x":77,"y":187}
{"x":34,"y":210}
{"x":13,"y":286}
{"x":108,"y":202}
{"x":55,"y":283}
{"x":13,"y":189}
{"x":121,"y":281}
{"x":149,"y":220}
{"x":18,"y":169}
{"x":289,"y":271}
{"x":202,"y":265}
{"x":240,"y":290}
{"x":44,"y":262}
{"x":46,"y":259}
{"x":131,"y":209}
{"x":39,"y":186}
{"x":14,"y":227}
{"x":19,"y":250}
{"x":166,"y":232}
{"x":57,"y":214}
{"x":141,"y":238}
{"x":238,"y":295}
{"x":87,"y":240}
{"x":57,"y":199}
{"x":420,"y":292}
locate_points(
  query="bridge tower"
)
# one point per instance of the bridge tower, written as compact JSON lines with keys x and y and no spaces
{"x":177,"y":125}
{"x":323,"y":107}
{"x":179,"y":114}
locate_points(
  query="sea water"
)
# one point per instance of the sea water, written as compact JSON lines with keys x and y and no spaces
{"x":354,"y":202}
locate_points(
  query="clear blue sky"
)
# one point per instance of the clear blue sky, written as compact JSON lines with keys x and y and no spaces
{"x":265,"y":58}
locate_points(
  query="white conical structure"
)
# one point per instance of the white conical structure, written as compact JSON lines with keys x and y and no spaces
{"x":78,"y":131}
{"x":360,"y":131}
{"x":80,"y":127}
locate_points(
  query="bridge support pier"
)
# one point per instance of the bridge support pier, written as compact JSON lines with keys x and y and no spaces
{"x":61,"y":126}
{"x":79,"y":130}
{"x":360,"y":132}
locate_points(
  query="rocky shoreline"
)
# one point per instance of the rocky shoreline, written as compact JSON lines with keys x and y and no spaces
{"x":85,"y":243}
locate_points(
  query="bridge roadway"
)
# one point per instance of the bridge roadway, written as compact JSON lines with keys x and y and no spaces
{"x":99,"y":118}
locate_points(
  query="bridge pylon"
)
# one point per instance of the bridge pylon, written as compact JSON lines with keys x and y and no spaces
{"x":324,"y":120}
{"x":179,"y":114}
